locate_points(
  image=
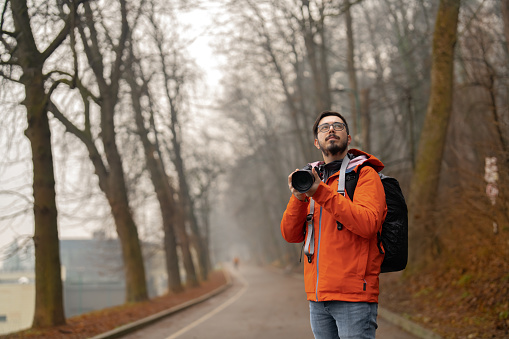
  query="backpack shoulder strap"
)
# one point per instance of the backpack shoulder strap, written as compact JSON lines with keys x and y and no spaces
{"x":342,"y":182}
{"x":342,"y":178}
{"x":350,"y":183}
{"x":351,"y":179}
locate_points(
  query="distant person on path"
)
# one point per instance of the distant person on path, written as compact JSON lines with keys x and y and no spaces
{"x":236,"y":262}
{"x":343,"y":260}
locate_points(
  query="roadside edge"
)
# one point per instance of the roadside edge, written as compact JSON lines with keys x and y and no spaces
{"x":130,"y":327}
{"x":407,"y":324}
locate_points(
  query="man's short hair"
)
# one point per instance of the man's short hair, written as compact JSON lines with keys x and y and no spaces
{"x":326,"y":114}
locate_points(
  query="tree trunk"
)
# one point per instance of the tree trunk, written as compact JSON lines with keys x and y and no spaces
{"x":412,"y":85}
{"x":352,"y":76}
{"x":321,"y":99}
{"x":324,"y":66}
{"x":503,"y":156}
{"x":116,"y":192}
{"x":365,"y":120}
{"x":165,"y":194}
{"x":112,"y":181}
{"x":425,"y":181}
{"x":504,"y":4}
{"x":297,"y":115}
{"x":172,"y":83}
{"x":184,"y":194}
{"x":188,"y":208}
{"x":49,"y":309}
{"x":113,"y":185}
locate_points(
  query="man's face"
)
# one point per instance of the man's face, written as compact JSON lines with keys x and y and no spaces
{"x":332,"y":142}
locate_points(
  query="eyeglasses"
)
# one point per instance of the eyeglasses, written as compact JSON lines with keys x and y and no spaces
{"x":338,"y":126}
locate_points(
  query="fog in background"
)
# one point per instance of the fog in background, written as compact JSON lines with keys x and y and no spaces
{"x":251,"y":77}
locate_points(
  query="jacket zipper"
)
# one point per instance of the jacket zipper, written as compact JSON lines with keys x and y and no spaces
{"x":318,"y":253}
{"x":318,"y":250}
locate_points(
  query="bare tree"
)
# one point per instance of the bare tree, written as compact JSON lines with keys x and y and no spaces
{"x":312,"y":17}
{"x":162,"y":188}
{"x":108,"y":165}
{"x":505,"y":16}
{"x":21,"y":46}
{"x":174,"y":77}
{"x":352,"y":76}
{"x":425,"y":181}
{"x":482,"y":59}
{"x":291,"y":39}
{"x":173,"y":218}
{"x":262,"y":156}
{"x":359,"y":99}
{"x":206,"y":172}
{"x":399,"y":36}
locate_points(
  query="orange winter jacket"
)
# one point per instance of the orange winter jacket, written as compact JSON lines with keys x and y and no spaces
{"x":346,"y":263}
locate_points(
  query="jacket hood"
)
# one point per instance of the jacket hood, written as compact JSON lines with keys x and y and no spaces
{"x":357,"y":158}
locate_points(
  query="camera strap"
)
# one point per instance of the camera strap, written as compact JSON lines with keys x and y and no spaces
{"x":342,"y":174}
{"x":309,"y":245}
{"x":341,"y":183}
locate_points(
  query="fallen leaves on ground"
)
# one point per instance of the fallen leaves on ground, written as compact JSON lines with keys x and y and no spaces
{"x":455,"y":303}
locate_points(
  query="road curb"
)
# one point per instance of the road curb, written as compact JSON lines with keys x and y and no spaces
{"x":407,"y":324}
{"x":131,"y":327}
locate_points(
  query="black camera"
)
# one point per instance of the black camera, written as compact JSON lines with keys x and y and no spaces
{"x":302,"y":180}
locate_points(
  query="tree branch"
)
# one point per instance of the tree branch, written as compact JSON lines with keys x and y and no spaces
{"x":116,"y":72}
{"x":18,"y":194}
{"x":100,"y":168}
{"x":8,"y":77}
{"x":2,"y":18}
{"x":91,"y":49}
{"x":62,"y":35}
{"x":4,"y":42}
{"x":74,"y":82}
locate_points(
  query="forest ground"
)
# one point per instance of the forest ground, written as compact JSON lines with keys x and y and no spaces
{"x":463,"y":292}
{"x":452,"y":304}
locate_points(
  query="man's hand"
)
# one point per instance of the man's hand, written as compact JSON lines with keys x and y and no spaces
{"x":315,"y":185}
{"x":297,"y":194}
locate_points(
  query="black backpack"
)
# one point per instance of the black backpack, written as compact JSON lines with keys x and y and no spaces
{"x":394,"y":235}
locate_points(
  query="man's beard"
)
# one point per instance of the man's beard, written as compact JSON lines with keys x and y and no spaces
{"x":333,"y":148}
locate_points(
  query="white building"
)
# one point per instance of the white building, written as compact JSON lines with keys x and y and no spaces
{"x":92,"y":275}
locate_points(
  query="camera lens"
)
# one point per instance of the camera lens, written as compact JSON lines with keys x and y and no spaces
{"x":303,"y":180}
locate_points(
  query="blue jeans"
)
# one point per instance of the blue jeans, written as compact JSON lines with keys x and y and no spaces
{"x":344,"y":320}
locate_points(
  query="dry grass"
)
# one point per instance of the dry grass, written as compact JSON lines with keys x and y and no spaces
{"x":464,"y":291}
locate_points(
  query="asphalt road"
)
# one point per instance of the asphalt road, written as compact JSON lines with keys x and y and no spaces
{"x":262,"y":303}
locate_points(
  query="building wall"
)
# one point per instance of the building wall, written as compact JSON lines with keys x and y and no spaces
{"x":92,"y":275}
{"x":17,"y":305}
{"x":79,"y":299}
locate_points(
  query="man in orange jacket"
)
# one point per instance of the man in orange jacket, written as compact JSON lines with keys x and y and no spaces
{"x":341,"y":273}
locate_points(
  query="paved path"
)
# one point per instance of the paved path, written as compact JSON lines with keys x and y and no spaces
{"x":261,"y":303}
